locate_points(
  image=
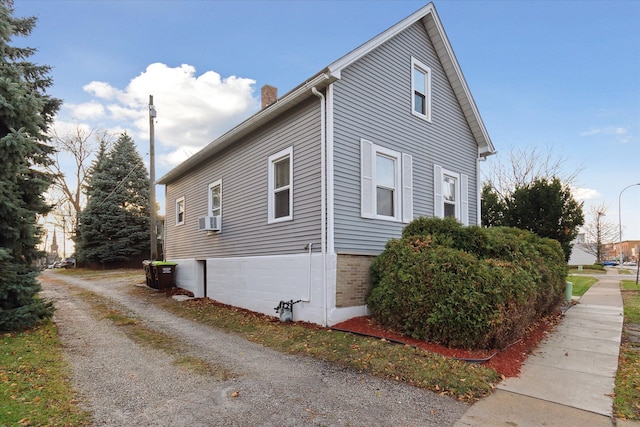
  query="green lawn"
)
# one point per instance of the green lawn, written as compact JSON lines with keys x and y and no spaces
{"x":630,"y":285}
{"x":626,"y":403}
{"x":34,"y":386}
{"x":581,"y":284}
{"x":631,"y":302}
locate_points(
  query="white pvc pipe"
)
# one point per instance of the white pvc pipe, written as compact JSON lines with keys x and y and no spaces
{"x":310,"y":245}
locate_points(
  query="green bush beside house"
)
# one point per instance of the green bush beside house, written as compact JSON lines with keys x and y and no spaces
{"x":466,"y":286}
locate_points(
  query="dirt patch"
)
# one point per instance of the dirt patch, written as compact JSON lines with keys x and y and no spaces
{"x":507,"y":362}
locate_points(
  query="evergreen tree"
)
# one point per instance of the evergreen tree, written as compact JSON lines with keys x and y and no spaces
{"x":492,"y":207}
{"x":89,"y":237}
{"x":114,"y":226}
{"x":26,"y":112}
{"x":547,"y":208}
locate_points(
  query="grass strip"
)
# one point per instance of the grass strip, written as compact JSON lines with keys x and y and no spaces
{"x":581,"y":284}
{"x":626,"y":402}
{"x":587,"y":270}
{"x":137,"y":331}
{"x":630,"y":285}
{"x":402,"y":363}
{"x":627,"y":388}
{"x":34,"y":381}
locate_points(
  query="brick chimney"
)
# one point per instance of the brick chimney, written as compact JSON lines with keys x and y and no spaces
{"x":269,"y":95}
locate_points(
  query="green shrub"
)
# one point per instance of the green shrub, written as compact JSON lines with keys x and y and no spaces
{"x":465,"y":286}
{"x":596,"y":266}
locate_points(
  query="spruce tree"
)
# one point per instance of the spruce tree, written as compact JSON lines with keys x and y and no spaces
{"x":26,"y":112}
{"x":114,"y":226}
{"x":90,"y":242}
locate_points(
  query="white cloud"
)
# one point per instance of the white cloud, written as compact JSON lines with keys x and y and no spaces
{"x":101,"y":90}
{"x":61,"y":127}
{"x":177,"y":156}
{"x":87,"y":111}
{"x":580,"y":193}
{"x":591,"y":132}
{"x":191,"y":110}
{"x":620,"y":134}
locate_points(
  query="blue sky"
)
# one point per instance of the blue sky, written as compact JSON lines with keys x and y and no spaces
{"x":560,"y":76}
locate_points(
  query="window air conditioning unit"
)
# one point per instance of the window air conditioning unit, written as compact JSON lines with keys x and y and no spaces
{"x":209,"y":223}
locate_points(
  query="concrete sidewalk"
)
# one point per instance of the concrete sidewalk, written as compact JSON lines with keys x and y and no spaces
{"x":568,"y":380}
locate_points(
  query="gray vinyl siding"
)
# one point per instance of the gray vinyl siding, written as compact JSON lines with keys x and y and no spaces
{"x":243,"y":169}
{"x":373,"y":101}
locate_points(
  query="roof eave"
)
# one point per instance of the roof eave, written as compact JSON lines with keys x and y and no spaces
{"x":337,"y":66}
{"x":283,"y":104}
{"x":430,"y":19}
{"x":436,"y":32}
{"x":448,"y":59}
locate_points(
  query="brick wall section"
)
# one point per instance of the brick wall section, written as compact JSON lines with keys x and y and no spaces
{"x":353,"y":280}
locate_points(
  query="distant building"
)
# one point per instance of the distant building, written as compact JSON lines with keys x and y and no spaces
{"x":52,"y":255}
{"x":630,"y":250}
{"x":580,"y":254}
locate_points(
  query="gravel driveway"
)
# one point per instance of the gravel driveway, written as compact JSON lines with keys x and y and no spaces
{"x":125,"y":384}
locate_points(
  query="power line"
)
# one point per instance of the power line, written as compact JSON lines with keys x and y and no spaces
{"x":122,"y":181}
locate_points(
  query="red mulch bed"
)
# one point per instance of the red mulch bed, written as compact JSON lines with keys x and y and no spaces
{"x":507,"y":362}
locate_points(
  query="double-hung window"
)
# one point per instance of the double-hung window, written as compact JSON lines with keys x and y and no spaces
{"x":215,"y":199}
{"x":420,"y":90}
{"x":451,"y":192}
{"x":180,"y":211}
{"x":280,"y":182}
{"x":386,"y":183}
{"x":450,"y":196}
{"x":386,"y":178}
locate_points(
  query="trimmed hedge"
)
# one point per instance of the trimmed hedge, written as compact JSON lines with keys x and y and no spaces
{"x":596,"y":266}
{"x":466,"y":286}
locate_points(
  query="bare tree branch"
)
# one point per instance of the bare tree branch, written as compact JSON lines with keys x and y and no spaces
{"x":70,"y":168}
{"x":524,"y":166}
{"x":598,"y":232}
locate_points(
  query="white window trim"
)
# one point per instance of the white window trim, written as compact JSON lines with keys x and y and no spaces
{"x":271,"y":195}
{"x":184,"y":210}
{"x":403,"y":190}
{"x":427,"y":84}
{"x":462,"y":193}
{"x":214,"y":184}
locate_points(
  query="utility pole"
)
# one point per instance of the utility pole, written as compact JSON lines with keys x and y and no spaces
{"x":64,"y":238}
{"x":599,"y":214}
{"x":620,"y":220}
{"x":152,"y":182}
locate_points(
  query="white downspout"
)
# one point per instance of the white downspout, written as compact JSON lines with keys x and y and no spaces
{"x":479,"y":159}
{"x":330,"y":173}
{"x":478,"y":193}
{"x":323,"y":201}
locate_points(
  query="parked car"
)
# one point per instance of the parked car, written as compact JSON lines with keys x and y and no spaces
{"x":610,"y":263}
{"x":68,"y":263}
